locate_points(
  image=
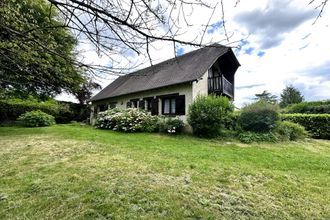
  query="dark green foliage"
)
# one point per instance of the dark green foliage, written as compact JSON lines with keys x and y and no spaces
{"x":64,"y":112}
{"x":289,"y":131}
{"x":317,"y":107}
{"x":266,"y":97}
{"x":84,"y":91}
{"x":35,"y":59}
{"x":259,"y":117}
{"x":36,"y":119}
{"x":209,"y":114}
{"x":317,"y":125}
{"x":170,"y":125}
{"x":249,"y":137}
{"x":290,"y":95}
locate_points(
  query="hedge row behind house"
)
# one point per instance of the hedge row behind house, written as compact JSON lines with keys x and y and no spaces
{"x":318,"y":125}
{"x":316,"y":107}
{"x":11,"y":109}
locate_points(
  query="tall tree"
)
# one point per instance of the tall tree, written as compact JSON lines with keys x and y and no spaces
{"x":35,"y":57}
{"x":266,"y":97}
{"x":290,"y":95}
{"x":84,"y":92}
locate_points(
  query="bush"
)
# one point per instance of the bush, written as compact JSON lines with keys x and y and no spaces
{"x":36,"y":119}
{"x":290,"y":131}
{"x":127,"y":120}
{"x":170,"y":125}
{"x":317,"y":125}
{"x":249,"y":137}
{"x":259,"y":117}
{"x":318,"y":107}
{"x":209,"y":114}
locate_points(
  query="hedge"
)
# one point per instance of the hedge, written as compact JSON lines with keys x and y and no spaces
{"x":11,"y":109}
{"x":317,"y":107}
{"x":317,"y":125}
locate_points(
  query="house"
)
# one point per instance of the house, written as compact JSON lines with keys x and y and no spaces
{"x":168,"y":88}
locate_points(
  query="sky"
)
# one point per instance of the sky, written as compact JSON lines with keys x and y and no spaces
{"x":276,"y":42}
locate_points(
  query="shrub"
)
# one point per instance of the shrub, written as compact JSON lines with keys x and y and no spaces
{"x":64,"y":112}
{"x":249,"y":137}
{"x":36,"y":119}
{"x":127,"y":120}
{"x":317,"y":125}
{"x":290,"y":131}
{"x":209,"y":114}
{"x":259,"y":117}
{"x":318,"y":107}
{"x":170,"y":125}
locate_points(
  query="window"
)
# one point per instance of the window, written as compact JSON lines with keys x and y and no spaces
{"x":112,"y":105}
{"x":174,"y":105}
{"x":141,"y":104}
{"x":103,"y":108}
{"x":134,"y":103}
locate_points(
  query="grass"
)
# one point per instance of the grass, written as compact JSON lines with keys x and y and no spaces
{"x":75,"y":172}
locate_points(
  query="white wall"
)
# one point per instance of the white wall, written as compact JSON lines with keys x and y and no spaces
{"x":182,"y":89}
{"x":200,"y":87}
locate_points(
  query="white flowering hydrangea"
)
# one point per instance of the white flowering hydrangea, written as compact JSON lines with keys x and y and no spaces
{"x":127,"y":120}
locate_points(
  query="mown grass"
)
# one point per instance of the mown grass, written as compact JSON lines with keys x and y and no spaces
{"x":75,"y":172}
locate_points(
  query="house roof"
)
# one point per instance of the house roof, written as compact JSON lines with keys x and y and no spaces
{"x":182,"y":69}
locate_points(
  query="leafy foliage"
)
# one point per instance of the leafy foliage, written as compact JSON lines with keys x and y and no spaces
{"x":290,"y":95}
{"x":36,"y":119}
{"x":259,"y":117}
{"x":317,"y":125}
{"x":249,"y":137}
{"x":209,"y":114}
{"x":318,"y":107}
{"x":85,"y":91}
{"x":64,"y":112}
{"x":170,"y":125}
{"x":290,"y":131}
{"x":36,"y":51}
{"x":266,"y":97}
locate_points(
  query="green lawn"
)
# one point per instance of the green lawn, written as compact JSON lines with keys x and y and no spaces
{"x":74,"y":172}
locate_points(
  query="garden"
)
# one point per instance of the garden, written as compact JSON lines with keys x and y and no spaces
{"x":262,"y":161}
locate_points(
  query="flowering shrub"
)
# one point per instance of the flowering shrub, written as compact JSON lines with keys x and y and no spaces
{"x":170,"y":125}
{"x":127,"y":120}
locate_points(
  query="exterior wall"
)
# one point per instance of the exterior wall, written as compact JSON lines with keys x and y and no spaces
{"x":200,"y":87}
{"x":183,"y":89}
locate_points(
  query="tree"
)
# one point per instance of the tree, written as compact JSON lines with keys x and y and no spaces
{"x":290,"y":95}
{"x":84,"y":92}
{"x":266,"y":97}
{"x":35,"y":58}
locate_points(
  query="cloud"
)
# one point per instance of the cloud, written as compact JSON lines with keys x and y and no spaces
{"x":250,"y":86}
{"x":322,"y":71}
{"x":271,"y":23}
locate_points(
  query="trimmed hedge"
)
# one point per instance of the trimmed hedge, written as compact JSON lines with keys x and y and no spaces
{"x":259,"y":117}
{"x":64,"y":112}
{"x":317,"y":125}
{"x":317,"y":107}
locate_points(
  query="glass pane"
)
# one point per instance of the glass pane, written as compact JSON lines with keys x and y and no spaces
{"x":173,"y":106}
{"x":166,"y":106}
